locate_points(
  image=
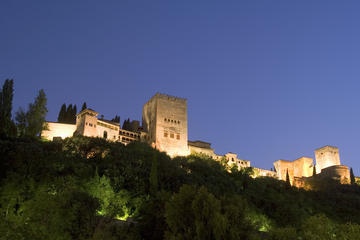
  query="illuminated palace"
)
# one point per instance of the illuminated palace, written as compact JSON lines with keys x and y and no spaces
{"x":165,"y":127}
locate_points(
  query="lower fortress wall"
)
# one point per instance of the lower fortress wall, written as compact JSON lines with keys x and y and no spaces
{"x":339,"y":172}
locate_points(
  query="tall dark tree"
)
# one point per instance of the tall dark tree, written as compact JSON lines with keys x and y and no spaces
{"x":69,"y":114}
{"x":32,"y":122}
{"x":62,"y":113}
{"x":84,"y":106}
{"x":352,"y":176}
{"x":21,"y":121}
{"x":314,"y":170}
{"x":127,"y":125}
{"x":116,"y":119}
{"x":7,"y":126}
{"x":288,"y":183}
{"x":74,"y":112}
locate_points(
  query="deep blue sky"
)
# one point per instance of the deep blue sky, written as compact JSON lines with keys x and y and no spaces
{"x":265,"y":79}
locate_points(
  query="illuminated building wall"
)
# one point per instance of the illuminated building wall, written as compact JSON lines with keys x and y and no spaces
{"x":61,"y":130}
{"x":325,"y":157}
{"x":165,"y":127}
{"x":86,"y":122}
{"x":165,"y":121}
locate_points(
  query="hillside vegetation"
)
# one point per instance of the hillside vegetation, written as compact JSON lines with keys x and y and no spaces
{"x":89,"y":188}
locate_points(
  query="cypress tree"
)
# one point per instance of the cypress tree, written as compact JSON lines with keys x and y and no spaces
{"x":116,"y":119}
{"x":74,"y":112}
{"x":62,"y":113}
{"x":287,"y":178}
{"x":84,"y":106}
{"x":68,"y":114}
{"x":126,"y":125}
{"x":314,"y":170}
{"x":6,"y":97}
{"x":352,"y":177}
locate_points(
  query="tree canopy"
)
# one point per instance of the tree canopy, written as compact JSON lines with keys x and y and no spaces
{"x":32,"y":122}
{"x":89,"y":188}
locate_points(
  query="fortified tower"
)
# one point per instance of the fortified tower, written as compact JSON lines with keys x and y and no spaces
{"x":165,"y":121}
{"x":326,"y":157}
{"x":86,"y":122}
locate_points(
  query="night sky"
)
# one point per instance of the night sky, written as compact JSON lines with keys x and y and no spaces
{"x":265,"y":79}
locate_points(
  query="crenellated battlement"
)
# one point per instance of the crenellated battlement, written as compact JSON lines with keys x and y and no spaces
{"x":169,"y":97}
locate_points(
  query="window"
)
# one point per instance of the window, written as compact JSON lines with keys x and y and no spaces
{"x":90,"y":124}
{"x":164,"y":119}
{"x":165,"y":134}
{"x":105,"y":134}
{"x":86,"y":124}
{"x":171,"y":135}
{"x":178,"y":136}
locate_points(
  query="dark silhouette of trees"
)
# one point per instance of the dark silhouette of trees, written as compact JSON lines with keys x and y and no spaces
{"x":67,"y":114}
{"x":288,"y":183}
{"x":62,"y":114}
{"x":32,"y":122}
{"x":314,"y":170}
{"x":116,"y":119}
{"x":73,"y":115}
{"x":127,"y":125}
{"x":352,"y":176}
{"x":7,"y":126}
{"x":83,"y":106}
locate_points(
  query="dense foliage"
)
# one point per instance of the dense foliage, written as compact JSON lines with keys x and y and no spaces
{"x":89,"y":188}
{"x":30,"y":123}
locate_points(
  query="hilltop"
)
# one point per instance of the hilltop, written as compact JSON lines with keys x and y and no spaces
{"x":90,"y":188}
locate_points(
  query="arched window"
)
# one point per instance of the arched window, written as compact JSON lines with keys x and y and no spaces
{"x":105,"y":134}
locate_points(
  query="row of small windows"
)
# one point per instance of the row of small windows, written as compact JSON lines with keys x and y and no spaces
{"x":90,"y":124}
{"x":172,"y":135}
{"x":124,"y":139}
{"x":129,"y":134}
{"x":241,"y":162}
{"x":171,"y":121}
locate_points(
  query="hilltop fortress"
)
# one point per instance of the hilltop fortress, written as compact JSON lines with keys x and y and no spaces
{"x":165,"y":127}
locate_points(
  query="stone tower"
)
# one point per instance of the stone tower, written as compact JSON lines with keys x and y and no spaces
{"x":86,"y":122}
{"x":326,"y":157}
{"x":165,"y":120}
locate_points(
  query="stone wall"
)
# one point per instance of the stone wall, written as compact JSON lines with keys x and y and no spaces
{"x":325,"y":157}
{"x":340,"y":173}
{"x":86,"y":122}
{"x":165,"y":120}
{"x":283,"y":166}
{"x":62,"y":130}
{"x":109,"y":131}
